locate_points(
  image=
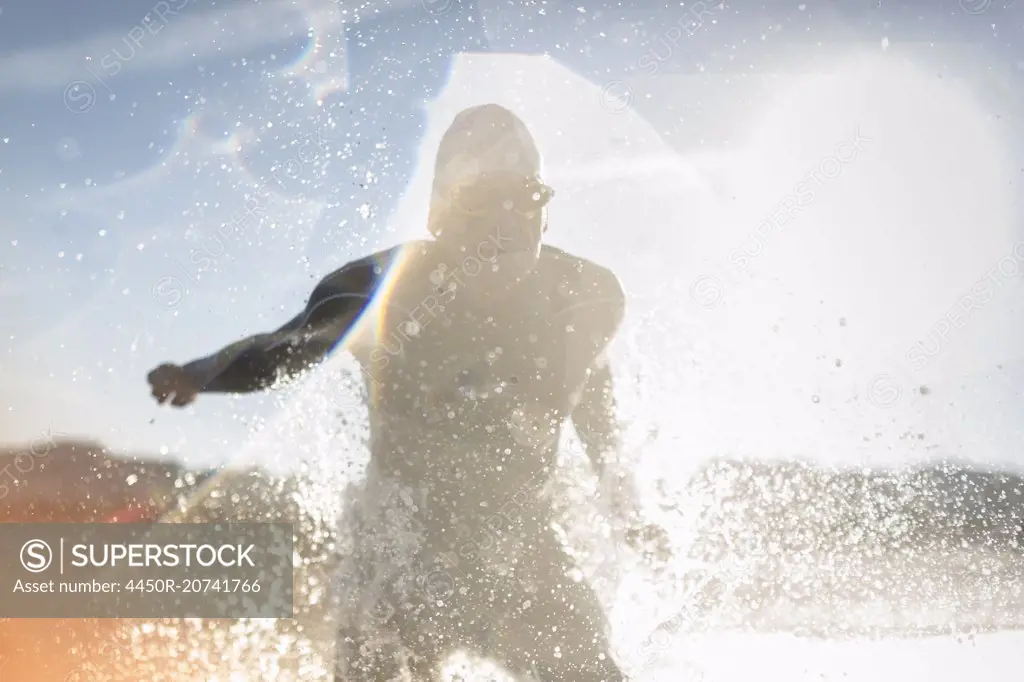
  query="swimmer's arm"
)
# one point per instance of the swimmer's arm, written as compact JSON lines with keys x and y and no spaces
{"x":596,"y":420}
{"x":598,"y":319}
{"x":258,"y":362}
{"x":600,"y":432}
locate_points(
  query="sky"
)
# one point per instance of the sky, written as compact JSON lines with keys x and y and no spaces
{"x":814,"y":208}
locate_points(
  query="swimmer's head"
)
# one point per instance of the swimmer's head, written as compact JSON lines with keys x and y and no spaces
{"x":487,"y":178}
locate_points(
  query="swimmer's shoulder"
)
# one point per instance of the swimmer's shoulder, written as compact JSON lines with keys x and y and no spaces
{"x":364,"y":276}
{"x":581,"y":280}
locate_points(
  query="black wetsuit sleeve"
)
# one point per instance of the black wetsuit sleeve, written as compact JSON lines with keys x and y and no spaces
{"x":258,"y":362}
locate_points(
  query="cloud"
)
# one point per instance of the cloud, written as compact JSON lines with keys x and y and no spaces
{"x":164,"y":44}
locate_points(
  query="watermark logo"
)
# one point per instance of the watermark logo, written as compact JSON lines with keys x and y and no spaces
{"x":79,"y":96}
{"x":616,"y":97}
{"x":129,"y":570}
{"x":885,"y":390}
{"x":437,"y":7}
{"x":438,"y":586}
{"x":168,"y":292}
{"x":707,"y":291}
{"x":36,"y":556}
{"x":976,"y":587}
{"x":344,"y":389}
{"x":975,"y":6}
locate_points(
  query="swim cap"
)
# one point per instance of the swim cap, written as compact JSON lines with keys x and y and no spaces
{"x":482,"y":141}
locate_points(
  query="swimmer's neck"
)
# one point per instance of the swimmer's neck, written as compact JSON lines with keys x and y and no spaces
{"x":485,"y":269}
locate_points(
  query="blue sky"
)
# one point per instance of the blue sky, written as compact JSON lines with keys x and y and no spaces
{"x":131,"y":135}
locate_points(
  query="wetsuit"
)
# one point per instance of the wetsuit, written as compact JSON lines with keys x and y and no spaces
{"x":468,"y":392}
